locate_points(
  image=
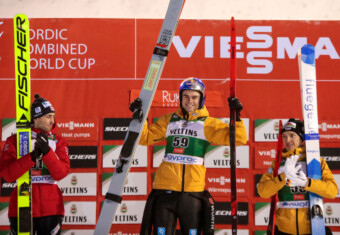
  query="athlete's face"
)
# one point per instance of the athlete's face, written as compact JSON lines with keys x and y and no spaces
{"x":291,"y":140}
{"x":190,"y":100}
{"x":45,"y":122}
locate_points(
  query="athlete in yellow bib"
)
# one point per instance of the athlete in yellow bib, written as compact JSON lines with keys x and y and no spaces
{"x":178,"y":188}
{"x":292,"y":184}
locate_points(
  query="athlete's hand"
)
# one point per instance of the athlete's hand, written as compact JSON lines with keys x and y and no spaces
{"x":290,"y":168}
{"x":42,"y":143}
{"x":136,"y":104}
{"x":235,"y":104}
{"x":299,"y":179}
{"x":36,"y":153}
{"x":136,"y":108}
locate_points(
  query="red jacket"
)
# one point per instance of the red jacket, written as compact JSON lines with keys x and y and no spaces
{"x":47,"y":198}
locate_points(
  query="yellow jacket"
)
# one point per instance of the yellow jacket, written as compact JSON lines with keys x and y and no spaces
{"x":186,"y":177}
{"x":291,"y":220}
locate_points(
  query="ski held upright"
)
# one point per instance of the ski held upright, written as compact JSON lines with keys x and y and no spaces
{"x":156,"y":65}
{"x":272,"y":213}
{"x":232,"y":129}
{"x":23,"y":118}
{"x":306,"y":58}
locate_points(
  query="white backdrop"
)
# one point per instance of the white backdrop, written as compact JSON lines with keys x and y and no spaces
{"x":194,"y":9}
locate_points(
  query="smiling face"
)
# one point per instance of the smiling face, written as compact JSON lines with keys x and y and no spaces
{"x":291,"y":140}
{"x":190,"y":100}
{"x":45,"y":122}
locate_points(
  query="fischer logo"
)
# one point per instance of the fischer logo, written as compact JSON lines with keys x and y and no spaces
{"x":332,"y":158}
{"x":72,"y":125}
{"x":258,"y":37}
{"x":324,"y":126}
{"x":83,"y":156}
{"x":22,"y":68}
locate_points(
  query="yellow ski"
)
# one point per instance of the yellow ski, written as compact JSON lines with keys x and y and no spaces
{"x":23,"y":118}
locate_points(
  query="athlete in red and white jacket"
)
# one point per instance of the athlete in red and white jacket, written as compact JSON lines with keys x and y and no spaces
{"x":48,"y":161}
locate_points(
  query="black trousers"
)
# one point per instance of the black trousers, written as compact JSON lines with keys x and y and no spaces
{"x":172,"y":205}
{"x":47,"y":225}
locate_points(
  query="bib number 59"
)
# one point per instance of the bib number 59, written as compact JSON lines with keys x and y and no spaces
{"x":182,"y":142}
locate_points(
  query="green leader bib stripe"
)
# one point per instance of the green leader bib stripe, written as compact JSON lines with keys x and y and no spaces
{"x":23,"y":118}
{"x":186,"y":141}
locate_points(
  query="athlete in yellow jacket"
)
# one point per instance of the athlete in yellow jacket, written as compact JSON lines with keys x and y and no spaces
{"x":169,"y":175}
{"x":178,"y":188}
{"x":292,"y":185}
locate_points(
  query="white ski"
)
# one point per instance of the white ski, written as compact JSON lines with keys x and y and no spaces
{"x":306,"y":57}
{"x":113,"y":196}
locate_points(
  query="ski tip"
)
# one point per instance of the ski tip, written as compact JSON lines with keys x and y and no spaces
{"x":20,"y":15}
{"x":232,"y":22}
{"x":308,"y":54}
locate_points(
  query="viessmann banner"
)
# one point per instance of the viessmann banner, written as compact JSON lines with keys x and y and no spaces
{"x":69,"y":48}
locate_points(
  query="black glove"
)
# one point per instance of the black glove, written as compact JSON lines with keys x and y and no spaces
{"x":136,"y":108}
{"x":235,"y":104}
{"x":36,"y":153}
{"x":42,"y":143}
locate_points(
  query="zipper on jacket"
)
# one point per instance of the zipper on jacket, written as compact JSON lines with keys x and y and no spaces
{"x":183,"y":172}
{"x":297,"y":222}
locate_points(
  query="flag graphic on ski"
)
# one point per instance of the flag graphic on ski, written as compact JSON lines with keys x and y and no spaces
{"x":113,"y":196}
{"x":306,"y":58}
{"x":23,"y":118}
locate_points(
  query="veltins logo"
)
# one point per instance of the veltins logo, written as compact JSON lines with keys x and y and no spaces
{"x":329,"y":210}
{"x":123,"y":208}
{"x":226,"y":153}
{"x":74,"y":180}
{"x":73,"y":209}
